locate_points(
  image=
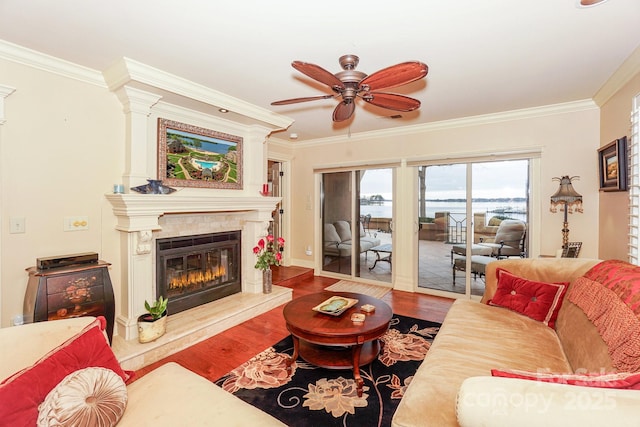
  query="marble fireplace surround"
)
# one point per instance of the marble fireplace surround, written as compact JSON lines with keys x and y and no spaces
{"x":142,"y":218}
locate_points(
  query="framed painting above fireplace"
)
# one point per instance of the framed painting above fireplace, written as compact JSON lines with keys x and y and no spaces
{"x":192,"y":156}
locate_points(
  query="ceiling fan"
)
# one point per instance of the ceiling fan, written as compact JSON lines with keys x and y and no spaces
{"x":350,"y":84}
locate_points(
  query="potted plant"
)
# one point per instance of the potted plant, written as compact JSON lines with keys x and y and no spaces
{"x":153,"y":324}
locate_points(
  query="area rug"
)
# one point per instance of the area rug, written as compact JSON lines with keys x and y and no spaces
{"x":359,"y":288}
{"x":313,"y":396}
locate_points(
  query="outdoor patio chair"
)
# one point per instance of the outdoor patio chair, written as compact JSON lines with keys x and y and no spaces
{"x":478,"y":265}
{"x":366,"y":222}
{"x":509,"y":241}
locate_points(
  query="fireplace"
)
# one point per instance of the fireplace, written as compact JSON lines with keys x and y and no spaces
{"x":195,"y":270}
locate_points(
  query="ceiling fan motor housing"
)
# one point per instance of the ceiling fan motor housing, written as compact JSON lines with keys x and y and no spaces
{"x":347,"y":84}
{"x":349,"y":62}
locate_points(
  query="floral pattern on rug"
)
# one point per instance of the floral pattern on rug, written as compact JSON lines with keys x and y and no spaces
{"x":402,"y":347}
{"x":399,"y":387}
{"x":265,"y":370}
{"x":337,"y":396}
{"x":309,"y":395}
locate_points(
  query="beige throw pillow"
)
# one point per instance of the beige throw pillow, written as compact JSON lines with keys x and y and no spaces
{"x":91,"y":397}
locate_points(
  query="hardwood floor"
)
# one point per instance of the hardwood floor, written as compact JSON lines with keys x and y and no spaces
{"x":219,"y":354}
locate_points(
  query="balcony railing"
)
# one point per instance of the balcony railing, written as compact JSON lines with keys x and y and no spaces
{"x":456,"y":228}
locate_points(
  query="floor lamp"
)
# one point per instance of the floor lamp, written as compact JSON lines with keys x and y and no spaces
{"x":569,"y":200}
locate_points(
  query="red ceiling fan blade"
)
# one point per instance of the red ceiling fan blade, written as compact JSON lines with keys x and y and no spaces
{"x":392,"y":101}
{"x":305,"y":99}
{"x":343,"y":111}
{"x":396,"y":75}
{"x":318,"y":73}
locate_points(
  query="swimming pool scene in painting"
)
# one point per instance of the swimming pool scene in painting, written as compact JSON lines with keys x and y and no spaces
{"x":197,"y":157}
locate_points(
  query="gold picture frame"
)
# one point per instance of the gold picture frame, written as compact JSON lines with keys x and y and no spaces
{"x":192,"y":156}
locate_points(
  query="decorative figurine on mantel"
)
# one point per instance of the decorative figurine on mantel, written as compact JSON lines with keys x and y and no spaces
{"x":154,"y":186}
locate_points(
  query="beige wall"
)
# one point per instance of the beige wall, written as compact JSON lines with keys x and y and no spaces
{"x":62,"y":150}
{"x":567,"y":141}
{"x":63,"y":146}
{"x":614,"y":213}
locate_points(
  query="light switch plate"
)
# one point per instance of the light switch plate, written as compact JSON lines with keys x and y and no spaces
{"x":16,"y":224}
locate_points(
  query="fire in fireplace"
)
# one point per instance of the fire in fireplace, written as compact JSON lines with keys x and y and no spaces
{"x":195,"y":270}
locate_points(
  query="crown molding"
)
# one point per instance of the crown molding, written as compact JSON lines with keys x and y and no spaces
{"x":629,"y":68}
{"x":127,"y":70}
{"x":31,"y":58}
{"x":279,"y":142}
{"x":4,"y":92}
{"x":521,"y":114}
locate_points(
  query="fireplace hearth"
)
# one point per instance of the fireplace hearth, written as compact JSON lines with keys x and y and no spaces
{"x":198,"y":269}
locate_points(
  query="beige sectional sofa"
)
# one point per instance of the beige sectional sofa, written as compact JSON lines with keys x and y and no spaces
{"x":168,"y":396}
{"x":454,"y":386}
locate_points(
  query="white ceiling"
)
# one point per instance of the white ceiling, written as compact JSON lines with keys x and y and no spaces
{"x":484,"y":56}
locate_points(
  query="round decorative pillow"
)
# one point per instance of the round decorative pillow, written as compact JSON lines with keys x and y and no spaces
{"x":91,"y":397}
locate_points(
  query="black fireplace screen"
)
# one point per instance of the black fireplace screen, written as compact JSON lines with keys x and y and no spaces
{"x":195,"y":270}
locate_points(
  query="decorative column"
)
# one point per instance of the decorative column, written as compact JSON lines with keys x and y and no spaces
{"x":137,"y":108}
{"x":137,"y":263}
{"x":255,"y":228}
{"x":256,"y":142}
{"x":137,"y":278}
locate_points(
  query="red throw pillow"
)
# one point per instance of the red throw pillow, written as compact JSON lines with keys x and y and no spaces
{"x":600,"y":380}
{"x":538,"y":300}
{"x":22,"y":392}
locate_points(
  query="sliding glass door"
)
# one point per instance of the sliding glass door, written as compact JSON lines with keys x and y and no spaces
{"x":461,"y":208}
{"x":337,"y":214}
{"x":357,"y":218}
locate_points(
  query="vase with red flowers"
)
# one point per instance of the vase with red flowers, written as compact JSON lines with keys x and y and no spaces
{"x":269,"y":252}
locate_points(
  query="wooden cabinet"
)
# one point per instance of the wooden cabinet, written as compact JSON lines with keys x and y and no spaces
{"x":73,"y":291}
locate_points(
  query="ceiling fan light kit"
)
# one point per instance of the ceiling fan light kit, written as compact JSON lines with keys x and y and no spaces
{"x":351,"y":84}
{"x":589,"y":3}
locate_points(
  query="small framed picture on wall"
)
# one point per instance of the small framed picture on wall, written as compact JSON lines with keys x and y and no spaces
{"x":612,"y":165}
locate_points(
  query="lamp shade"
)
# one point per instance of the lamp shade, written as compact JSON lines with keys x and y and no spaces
{"x":566,"y":196}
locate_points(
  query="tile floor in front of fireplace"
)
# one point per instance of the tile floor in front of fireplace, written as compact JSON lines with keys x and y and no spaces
{"x":194,"y":325}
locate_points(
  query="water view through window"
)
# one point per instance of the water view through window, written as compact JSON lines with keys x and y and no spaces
{"x":499,"y":192}
{"x":504,"y":190}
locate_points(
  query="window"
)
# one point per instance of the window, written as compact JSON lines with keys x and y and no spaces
{"x":634,"y":183}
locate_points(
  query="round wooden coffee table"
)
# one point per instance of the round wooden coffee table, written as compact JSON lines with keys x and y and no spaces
{"x":336,"y":342}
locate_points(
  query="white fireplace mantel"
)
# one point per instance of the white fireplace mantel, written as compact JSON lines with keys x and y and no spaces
{"x":137,"y":212}
{"x":139,"y":222}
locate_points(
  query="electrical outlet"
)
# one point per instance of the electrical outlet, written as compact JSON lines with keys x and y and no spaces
{"x":76,"y":223}
{"x":16,"y":224}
